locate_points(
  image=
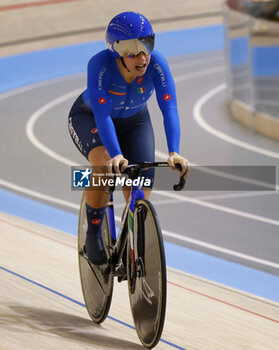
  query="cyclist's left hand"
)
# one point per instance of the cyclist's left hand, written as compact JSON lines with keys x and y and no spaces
{"x":175,"y":158}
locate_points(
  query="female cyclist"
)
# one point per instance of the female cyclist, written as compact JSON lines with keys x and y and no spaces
{"x":109,"y":122}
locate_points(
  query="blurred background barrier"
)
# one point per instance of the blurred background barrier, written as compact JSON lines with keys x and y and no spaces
{"x":252,"y":63}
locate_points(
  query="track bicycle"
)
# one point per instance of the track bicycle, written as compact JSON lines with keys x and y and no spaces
{"x":136,"y":254}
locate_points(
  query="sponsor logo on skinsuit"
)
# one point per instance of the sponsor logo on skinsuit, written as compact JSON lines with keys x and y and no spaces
{"x":100,"y":78}
{"x":74,"y":135}
{"x":161,"y":73}
{"x":167,"y":97}
{"x":94,"y":131}
{"x":102,"y":100}
{"x":96,"y":221}
{"x":140,"y":80}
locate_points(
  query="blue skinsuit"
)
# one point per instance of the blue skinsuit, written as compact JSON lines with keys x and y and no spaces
{"x":110,"y":97}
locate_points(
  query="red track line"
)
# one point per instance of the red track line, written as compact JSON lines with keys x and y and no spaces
{"x":32,"y":4}
{"x":223,"y":302}
{"x":172,"y":283}
{"x":37,"y":233}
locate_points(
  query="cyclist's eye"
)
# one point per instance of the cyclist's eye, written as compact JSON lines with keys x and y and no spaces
{"x":133,"y":56}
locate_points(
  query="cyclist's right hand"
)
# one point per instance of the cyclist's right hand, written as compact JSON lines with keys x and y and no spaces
{"x":116,"y":162}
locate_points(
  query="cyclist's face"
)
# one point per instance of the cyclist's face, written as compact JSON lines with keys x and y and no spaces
{"x":138,"y":64}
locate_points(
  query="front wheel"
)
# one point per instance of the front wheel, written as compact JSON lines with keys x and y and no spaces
{"x":97,"y":286}
{"x":146,"y":271}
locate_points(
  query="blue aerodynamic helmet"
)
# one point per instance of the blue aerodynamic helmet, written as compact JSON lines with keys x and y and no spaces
{"x":129,"y":33}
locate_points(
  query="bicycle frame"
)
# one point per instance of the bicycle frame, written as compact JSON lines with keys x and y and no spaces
{"x":127,"y":221}
{"x":128,"y":214}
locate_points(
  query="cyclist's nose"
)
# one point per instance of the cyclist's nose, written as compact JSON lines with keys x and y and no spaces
{"x":141,"y":58}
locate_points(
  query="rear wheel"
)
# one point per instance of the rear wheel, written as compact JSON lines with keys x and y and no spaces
{"x":146,"y":271}
{"x":96,"y":281}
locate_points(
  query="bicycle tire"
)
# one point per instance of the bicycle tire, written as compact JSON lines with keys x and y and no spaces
{"x":97,"y":289}
{"x":147,"y":293}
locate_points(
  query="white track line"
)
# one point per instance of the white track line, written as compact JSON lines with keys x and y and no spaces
{"x":217,"y":207}
{"x":197,"y":62}
{"x":35,"y":116}
{"x":211,"y":197}
{"x":33,"y":139}
{"x":33,"y":86}
{"x":194,"y":75}
{"x":220,"y":249}
{"x":237,"y":195}
{"x":222,"y":174}
{"x":166,"y":233}
{"x":38,"y":195}
{"x":197,"y":110}
{"x":72,"y":205}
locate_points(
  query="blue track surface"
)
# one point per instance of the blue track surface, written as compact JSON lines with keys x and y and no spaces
{"x":20,"y":70}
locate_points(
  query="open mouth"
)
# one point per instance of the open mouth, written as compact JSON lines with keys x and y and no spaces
{"x":141,"y":67}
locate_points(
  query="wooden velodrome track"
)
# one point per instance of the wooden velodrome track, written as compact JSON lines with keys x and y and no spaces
{"x":41,"y":300}
{"x":42,"y":304}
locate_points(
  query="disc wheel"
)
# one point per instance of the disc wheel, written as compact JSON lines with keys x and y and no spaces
{"x":146,"y":271}
{"x":96,"y":282}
